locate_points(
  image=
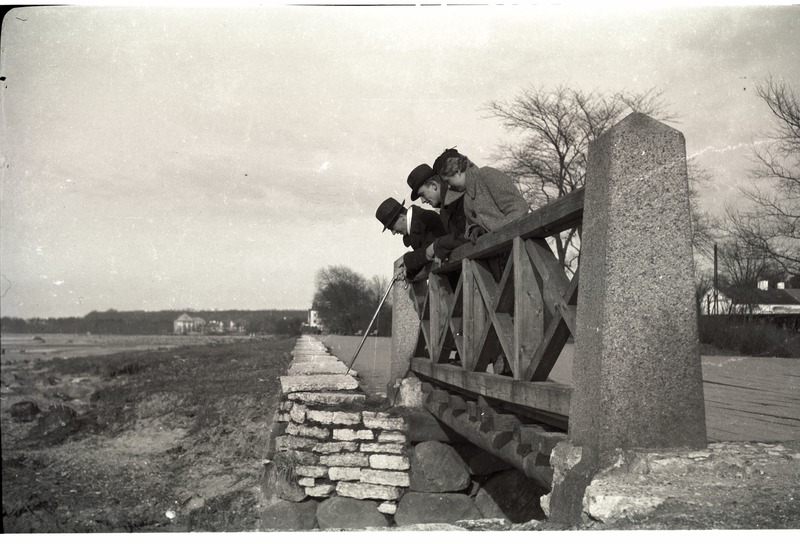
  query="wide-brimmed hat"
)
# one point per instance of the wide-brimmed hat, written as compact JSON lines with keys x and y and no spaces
{"x":440,"y":161}
{"x":418,"y":177}
{"x":388,"y":211}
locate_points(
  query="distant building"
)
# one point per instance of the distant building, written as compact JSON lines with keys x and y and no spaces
{"x":761,"y":300}
{"x":313,"y":319}
{"x":312,"y":325}
{"x":186,"y":324}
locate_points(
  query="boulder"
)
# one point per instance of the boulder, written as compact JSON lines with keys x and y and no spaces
{"x":415,"y":508}
{"x":289,"y":516}
{"x":24,"y":411}
{"x":510,"y":495}
{"x":347,"y":513}
{"x":437,"y":468}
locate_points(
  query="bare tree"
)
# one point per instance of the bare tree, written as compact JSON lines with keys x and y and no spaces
{"x":703,"y":224}
{"x":770,"y":225}
{"x":741,"y":267}
{"x":556,"y":127}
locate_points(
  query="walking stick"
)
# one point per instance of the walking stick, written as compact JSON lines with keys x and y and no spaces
{"x":386,"y":294}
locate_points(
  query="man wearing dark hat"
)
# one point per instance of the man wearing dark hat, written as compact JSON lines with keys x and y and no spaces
{"x":425,"y":183}
{"x":419,"y":227}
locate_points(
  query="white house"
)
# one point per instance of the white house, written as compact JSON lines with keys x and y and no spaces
{"x":185,"y":324}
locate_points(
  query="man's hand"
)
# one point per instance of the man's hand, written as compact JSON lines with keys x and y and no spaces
{"x":402,"y":275}
{"x":474,"y":232}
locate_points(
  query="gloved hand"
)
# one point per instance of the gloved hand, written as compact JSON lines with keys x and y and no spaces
{"x":474,"y":232}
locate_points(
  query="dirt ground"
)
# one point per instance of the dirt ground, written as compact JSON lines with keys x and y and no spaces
{"x":162,"y":440}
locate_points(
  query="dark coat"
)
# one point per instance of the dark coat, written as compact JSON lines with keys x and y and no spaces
{"x":454,"y":221}
{"x":426,"y":226}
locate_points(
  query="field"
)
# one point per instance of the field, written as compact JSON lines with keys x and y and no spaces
{"x":159,"y":437}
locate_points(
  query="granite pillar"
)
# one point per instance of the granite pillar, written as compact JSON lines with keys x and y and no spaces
{"x":405,"y":327}
{"x":637,"y":380}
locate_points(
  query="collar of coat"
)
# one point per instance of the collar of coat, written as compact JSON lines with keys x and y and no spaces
{"x":470,"y":181}
{"x":451,"y":195}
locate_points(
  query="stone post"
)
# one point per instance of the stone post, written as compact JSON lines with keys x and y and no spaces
{"x":405,"y":327}
{"x":637,"y":380}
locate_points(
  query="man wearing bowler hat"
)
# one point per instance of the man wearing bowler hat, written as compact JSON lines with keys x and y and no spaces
{"x":419,"y":227}
{"x":425,"y":183}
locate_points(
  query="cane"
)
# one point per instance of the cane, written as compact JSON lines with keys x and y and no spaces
{"x":386,"y":294}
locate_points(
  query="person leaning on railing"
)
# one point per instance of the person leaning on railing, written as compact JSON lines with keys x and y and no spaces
{"x":419,"y":227}
{"x":425,"y":184}
{"x":491,"y":199}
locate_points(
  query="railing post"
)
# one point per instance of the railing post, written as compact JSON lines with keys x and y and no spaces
{"x":637,"y":380}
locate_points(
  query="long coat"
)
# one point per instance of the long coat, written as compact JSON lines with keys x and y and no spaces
{"x":491,"y":199}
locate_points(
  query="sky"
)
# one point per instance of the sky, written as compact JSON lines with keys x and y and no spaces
{"x":217,"y":158}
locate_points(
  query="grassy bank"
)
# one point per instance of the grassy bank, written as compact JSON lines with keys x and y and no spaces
{"x":142,"y":441}
{"x":749,"y":337}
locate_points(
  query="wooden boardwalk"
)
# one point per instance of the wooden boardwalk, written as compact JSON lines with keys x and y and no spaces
{"x":748,"y":399}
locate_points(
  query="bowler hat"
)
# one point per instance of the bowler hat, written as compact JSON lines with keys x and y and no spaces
{"x":388,"y":211}
{"x":438,"y":164}
{"x":418,"y":177}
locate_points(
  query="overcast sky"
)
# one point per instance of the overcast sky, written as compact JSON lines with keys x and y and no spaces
{"x":217,"y":158}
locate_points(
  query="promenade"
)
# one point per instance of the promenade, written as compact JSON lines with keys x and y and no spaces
{"x":747,"y":399}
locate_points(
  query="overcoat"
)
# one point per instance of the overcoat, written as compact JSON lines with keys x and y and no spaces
{"x":491,"y":199}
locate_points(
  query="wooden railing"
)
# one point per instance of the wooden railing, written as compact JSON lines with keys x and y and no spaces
{"x":495,"y":317}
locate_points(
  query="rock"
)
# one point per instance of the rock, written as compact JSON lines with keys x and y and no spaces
{"x":409,"y":393}
{"x":494,"y":524}
{"x":55,"y":425}
{"x":289,"y":516}
{"x":510,"y":495}
{"x":24,"y":411}
{"x":330,"y":399}
{"x":480,"y":461}
{"x":605,"y":507}
{"x":318,"y":382}
{"x":278,"y":482}
{"x":436,"y":467}
{"x":347,"y":513}
{"x":359,"y":490}
{"x":415,"y":508}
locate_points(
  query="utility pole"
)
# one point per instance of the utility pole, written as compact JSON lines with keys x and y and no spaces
{"x":716,"y":286}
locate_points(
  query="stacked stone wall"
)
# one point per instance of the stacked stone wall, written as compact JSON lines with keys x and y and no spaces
{"x":335,"y":444}
{"x":339,"y":461}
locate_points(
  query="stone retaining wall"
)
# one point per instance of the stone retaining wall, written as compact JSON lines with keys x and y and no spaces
{"x":339,"y":461}
{"x":336,"y":446}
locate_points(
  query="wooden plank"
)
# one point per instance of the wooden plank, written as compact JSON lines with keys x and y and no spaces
{"x":500,"y":444}
{"x":457,"y":405}
{"x":503,"y":326}
{"x":554,"y":279}
{"x":469,"y":294}
{"x":499,"y":422}
{"x":549,"y":220}
{"x":438,"y":314}
{"x":547,"y":397}
{"x":557,"y":292}
{"x":528,"y":310}
{"x":546,"y":354}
